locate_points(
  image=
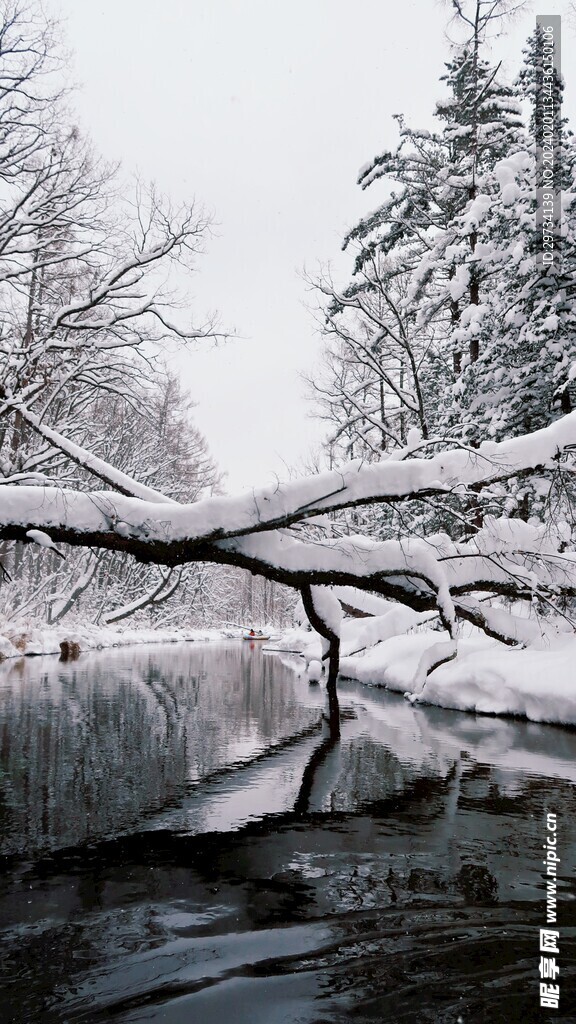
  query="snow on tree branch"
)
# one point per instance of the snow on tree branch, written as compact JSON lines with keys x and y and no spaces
{"x":506,"y":557}
{"x":281,"y":505}
{"x":103,"y":470}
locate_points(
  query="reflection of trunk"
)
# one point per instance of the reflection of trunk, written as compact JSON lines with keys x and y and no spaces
{"x":318,"y":758}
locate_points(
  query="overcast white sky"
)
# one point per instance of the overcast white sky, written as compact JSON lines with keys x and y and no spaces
{"x":264,"y":111}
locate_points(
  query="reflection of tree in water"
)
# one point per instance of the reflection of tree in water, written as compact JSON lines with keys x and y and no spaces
{"x":407,"y":923}
{"x":73,"y":766}
{"x":410,"y":865}
{"x":369,"y":772}
{"x":317,"y":759}
{"x":232,"y":699}
{"x":124,"y":733}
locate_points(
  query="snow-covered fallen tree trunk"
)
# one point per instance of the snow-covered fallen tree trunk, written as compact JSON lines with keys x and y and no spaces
{"x":507,"y":557}
{"x":281,"y":505}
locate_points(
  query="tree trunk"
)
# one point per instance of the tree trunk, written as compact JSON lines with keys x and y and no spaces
{"x":324,"y":630}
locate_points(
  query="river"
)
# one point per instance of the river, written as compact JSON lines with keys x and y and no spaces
{"x":181,"y":841}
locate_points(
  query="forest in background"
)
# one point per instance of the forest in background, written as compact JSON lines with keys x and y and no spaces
{"x":89,"y":306}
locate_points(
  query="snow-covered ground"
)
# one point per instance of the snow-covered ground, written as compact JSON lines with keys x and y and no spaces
{"x":487,"y":677}
{"x":15,"y":642}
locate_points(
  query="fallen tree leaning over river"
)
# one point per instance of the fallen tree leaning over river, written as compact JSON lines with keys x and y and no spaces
{"x":263,"y":531}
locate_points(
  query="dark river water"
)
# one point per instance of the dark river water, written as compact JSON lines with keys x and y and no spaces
{"x":180,"y":841}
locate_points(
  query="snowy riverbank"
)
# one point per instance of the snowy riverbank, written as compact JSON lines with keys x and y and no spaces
{"x":537,"y":683}
{"x":487,"y":677}
{"x":16,"y":642}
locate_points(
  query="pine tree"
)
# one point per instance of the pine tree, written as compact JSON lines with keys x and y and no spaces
{"x":528,"y":329}
{"x":420,"y":253}
{"x":492,"y":328}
